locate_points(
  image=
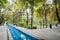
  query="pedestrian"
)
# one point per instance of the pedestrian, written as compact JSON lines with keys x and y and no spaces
{"x":50,"y":26}
{"x":56,"y":25}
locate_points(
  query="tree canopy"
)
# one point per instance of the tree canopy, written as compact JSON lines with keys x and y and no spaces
{"x":31,"y":13}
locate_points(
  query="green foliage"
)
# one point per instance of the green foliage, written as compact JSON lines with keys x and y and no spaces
{"x":20,"y":4}
{"x":22,"y":24}
{"x":3,"y":3}
{"x":19,"y":19}
{"x":34,"y":27}
{"x":8,"y":17}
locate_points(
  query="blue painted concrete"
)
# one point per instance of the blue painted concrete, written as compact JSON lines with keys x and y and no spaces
{"x":19,"y":35}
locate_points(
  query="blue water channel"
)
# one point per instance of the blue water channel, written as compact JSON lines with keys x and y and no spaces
{"x":19,"y":35}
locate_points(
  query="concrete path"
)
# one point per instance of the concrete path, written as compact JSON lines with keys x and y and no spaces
{"x":44,"y":34}
{"x":3,"y":33}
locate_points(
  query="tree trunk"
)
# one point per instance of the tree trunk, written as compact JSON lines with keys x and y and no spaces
{"x":26,"y":14}
{"x":46,"y":18}
{"x":57,"y":14}
{"x":27,"y":20}
{"x":0,"y":17}
{"x":43,"y":18}
{"x":43,"y":21}
{"x":45,"y":10}
{"x":32,"y":4}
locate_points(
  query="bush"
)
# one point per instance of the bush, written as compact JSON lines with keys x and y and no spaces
{"x":34,"y":27}
{"x":22,"y":24}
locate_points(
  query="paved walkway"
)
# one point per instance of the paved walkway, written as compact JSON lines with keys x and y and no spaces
{"x":3,"y":33}
{"x":46,"y":34}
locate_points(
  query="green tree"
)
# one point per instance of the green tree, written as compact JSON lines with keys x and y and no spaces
{"x":57,"y":13}
{"x":2,"y":5}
